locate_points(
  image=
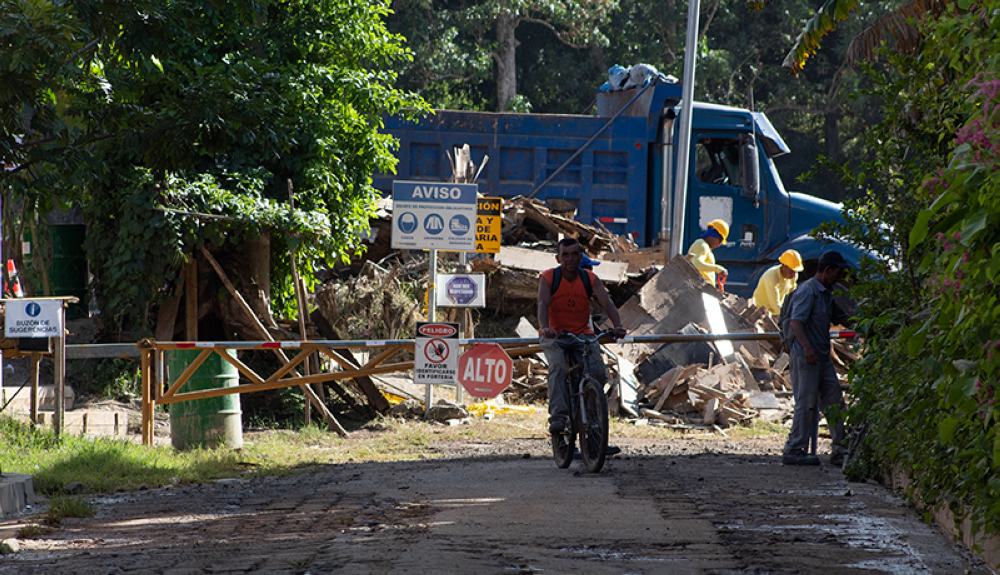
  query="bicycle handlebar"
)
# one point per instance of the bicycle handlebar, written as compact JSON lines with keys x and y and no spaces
{"x":586,"y":338}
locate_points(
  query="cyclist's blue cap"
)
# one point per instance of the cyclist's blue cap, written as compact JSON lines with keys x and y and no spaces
{"x":586,"y":261}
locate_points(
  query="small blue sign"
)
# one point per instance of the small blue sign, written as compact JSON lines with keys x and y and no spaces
{"x":461,"y":290}
{"x":407,"y":222}
{"x":33,"y":309}
{"x":434,"y":224}
{"x":459,"y":225}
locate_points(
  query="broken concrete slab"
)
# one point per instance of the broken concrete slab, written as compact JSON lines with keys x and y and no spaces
{"x":764,"y":401}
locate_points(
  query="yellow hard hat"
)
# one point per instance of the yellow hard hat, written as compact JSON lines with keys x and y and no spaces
{"x":721,"y":227}
{"x":792,"y":259}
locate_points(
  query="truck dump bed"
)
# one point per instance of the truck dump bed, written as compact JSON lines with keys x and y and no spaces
{"x":608,"y":182}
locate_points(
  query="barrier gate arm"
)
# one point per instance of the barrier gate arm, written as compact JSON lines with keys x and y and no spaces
{"x":151,"y":354}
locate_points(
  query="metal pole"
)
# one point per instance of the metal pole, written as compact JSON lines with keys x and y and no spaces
{"x":60,"y":361}
{"x":684,"y":137}
{"x":431,"y":313}
{"x":36,"y":358}
{"x":667,"y":149}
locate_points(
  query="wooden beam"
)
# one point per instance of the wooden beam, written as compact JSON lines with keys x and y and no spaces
{"x":188,"y":372}
{"x":331,"y":421}
{"x":372,"y":393}
{"x":241,"y":367}
{"x":316,"y":378}
{"x":191,"y":300}
{"x":168,"y":311}
{"x":376,"y":400}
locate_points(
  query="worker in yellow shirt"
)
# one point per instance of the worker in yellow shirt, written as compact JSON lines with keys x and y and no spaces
{"x":778,"y":282}
{"x":701,"y":250}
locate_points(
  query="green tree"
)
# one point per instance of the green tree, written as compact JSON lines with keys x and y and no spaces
{"x":458,"y":37}
{"x":210,"y":107}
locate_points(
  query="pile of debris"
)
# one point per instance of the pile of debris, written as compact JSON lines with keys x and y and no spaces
{"x":688,"y":384}
{"x":692,"y":383}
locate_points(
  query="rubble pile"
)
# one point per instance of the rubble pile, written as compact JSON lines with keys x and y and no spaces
{"x":686,"y":384}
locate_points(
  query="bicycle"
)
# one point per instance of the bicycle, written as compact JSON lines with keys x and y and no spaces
{"x":588,"y":413}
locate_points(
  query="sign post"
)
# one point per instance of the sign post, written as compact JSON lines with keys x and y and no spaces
{"x":433,"y":216}
{"x":43,"y":318}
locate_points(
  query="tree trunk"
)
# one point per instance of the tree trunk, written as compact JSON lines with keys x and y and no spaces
{"x":506,"y":70}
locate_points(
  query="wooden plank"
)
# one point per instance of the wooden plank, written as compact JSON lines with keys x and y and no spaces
{"x":710,"y":411}
{"x":376,"y":400}
{"x":780,"y":381}
{"x":781,"y":363}
{"x":168,"y":311}
{"x":188,"y":372}
{"x":331,"y":421}
{"x":191,"y":299}
{"x":241,"y":367}
{"x":675,"y":376}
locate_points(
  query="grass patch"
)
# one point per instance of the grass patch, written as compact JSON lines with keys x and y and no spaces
{"x":110,"y":465}
{"x":67,"y":507}
{"x":33,"y":531}
{"x":106,"y":465}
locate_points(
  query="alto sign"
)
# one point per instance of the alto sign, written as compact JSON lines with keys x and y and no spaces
{"x":485,"y":370}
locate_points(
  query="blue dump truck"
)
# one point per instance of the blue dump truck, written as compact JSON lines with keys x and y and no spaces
{"x":611,"y":166}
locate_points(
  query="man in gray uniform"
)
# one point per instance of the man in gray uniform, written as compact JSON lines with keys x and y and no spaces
{"x":814,"y":380}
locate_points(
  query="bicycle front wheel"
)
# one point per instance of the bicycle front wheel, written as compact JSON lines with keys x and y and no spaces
{"x":594,"y":436}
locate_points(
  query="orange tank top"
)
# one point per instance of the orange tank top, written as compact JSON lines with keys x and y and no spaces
{"x":569,"y":306}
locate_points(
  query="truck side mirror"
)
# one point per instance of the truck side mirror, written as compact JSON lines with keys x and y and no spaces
{"x":749,"y":169}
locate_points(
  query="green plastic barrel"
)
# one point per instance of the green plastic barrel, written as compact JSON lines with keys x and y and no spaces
{"x":205,"y":422}
{"x":68,"y":273}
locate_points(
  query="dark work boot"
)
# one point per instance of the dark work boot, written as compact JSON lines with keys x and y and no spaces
{"x":799,"y":457}
{"x":557,"y":425}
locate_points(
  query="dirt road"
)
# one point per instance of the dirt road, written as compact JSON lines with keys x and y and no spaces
{"x":685,"y":506}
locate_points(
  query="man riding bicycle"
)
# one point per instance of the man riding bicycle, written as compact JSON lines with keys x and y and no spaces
{"x":567,"y":308}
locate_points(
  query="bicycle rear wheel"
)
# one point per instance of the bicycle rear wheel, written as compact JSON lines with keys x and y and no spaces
{"x":563,"y":447}
{"x":594,"y":436}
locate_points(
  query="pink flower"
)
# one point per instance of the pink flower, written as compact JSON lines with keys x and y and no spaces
{"x":956,"y":236}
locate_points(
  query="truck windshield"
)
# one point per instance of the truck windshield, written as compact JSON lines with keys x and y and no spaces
{"x":718,"y":161}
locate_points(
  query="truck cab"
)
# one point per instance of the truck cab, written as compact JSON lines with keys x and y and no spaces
{"x":611,"y":167}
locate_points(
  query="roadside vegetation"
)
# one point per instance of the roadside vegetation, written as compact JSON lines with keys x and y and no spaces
{"x":924,"y":390}
{"x":107,"y":465}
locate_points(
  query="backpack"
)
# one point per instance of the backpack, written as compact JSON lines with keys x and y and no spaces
{"x":785,"y":320}
{"x":584,"y":276}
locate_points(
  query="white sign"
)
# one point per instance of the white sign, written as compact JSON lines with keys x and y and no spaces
{"x":435,"y":353}
{"x":429,"y":215}
{"x":33,"y":318}
{"x":461,"y":290}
